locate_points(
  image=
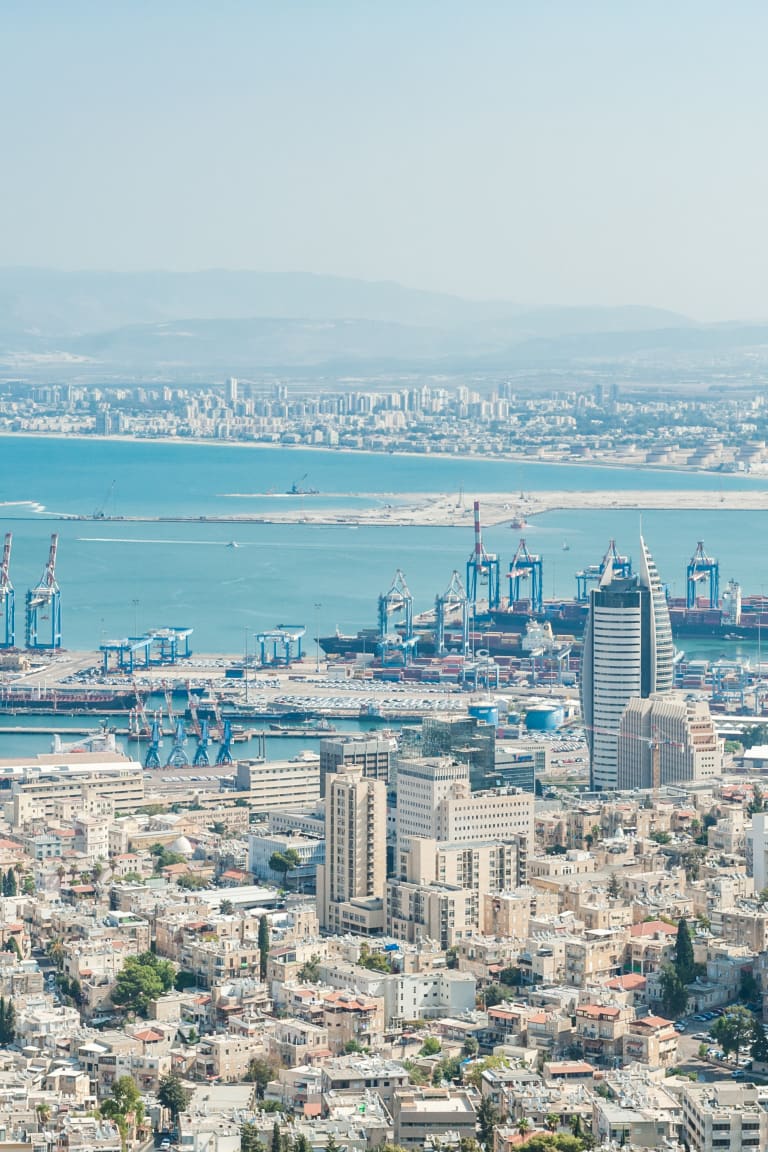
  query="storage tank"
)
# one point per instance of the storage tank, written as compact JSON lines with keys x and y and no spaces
{"x":485,"y":713}
{"x":547,"y":718}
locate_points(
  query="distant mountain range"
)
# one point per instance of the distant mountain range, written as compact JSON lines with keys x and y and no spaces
{"x":169,"y":323}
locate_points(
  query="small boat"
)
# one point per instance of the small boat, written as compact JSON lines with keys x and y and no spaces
{"x":566,"y":546}
{"x":233,"y":544}
{"x":517,"y":523}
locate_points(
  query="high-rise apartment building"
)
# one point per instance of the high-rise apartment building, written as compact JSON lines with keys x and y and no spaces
{"x":628,"y":652}
{"x":374,"y":754}
{"x":351,"y":884}
{"x":677,"y":730}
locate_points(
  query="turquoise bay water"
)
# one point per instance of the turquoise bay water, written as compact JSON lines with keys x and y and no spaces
{"x":184,"y":574}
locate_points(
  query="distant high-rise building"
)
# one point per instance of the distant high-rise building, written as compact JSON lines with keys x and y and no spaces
{"x":351,"y":884}
{"x":628,"y":652}
{"x":678,"y":730}
{"x":231,"y":390}
{"x":374,"y":754}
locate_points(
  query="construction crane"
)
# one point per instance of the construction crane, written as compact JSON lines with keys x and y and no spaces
{"x":482,"y":568}
{"x":524,"y":566}
{"x":7,"y":596}
{"x":454,"y":598}
{"x":702,"y":567}
{"x":44,"y":603}
{"x":192,"y":704}
{"x":168,"y":693}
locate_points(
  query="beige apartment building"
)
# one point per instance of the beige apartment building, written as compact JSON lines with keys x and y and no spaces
{"x":351,"y":884}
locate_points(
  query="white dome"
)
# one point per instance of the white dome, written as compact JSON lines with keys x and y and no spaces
{"x":182,"y":846}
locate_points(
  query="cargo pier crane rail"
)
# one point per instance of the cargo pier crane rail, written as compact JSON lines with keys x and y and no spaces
{"x":7,"y":597}
{"x":44,"y":604}
{"x":482,"y":569}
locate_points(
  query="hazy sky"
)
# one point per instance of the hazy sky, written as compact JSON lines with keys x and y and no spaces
{"x":547,"y":152}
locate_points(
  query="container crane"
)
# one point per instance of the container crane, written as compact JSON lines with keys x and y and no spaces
{"x":523,"y":567}
{"x":702,"y":567}
{"x":7,"y":596}
{"x":152,"y":758}
{"x":44,"y":603}
{"x":224,"y":755}
{"x":397,"y":599}
{"x":482,"y":568}
{"x":454,"y":597}
{"x":177,"y":758}
{"x":200,"y":759}
{"x":593,"y":573}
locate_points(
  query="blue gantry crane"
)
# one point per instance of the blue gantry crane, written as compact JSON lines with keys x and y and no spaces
{"x":225,"y":748}
{"x":152,"y":758}
{"x":453,"y":600}
{"x":7,"y":597}
{"x":702,"y":567}
{"x":592,"y":574}
{"x":482,"y":569}
{"x":524,"y":567}
{"x":44,"y":603}
{"x":200,"y":759}
{"x":177,"y":757}
{"x":397,"y":599}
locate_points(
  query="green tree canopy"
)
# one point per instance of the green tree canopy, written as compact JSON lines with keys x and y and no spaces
{"x":172,"y":1094}
{"x":674,"y":994}
{"x":684,"y":963}
{"x":7,"y":1021}
{"x":260,"y":1072}
{"x":142,"y":979}
{"x":734,"y":1029}
{"x":263,"y":946}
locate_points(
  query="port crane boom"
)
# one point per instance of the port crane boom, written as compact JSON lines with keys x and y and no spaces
{"x":7,"y":596}
{"x":44,"y":603}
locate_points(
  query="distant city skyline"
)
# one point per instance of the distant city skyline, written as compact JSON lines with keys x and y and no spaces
{"x":547,"y":155}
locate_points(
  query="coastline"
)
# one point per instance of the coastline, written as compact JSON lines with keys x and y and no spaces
{"x":522,"y":458}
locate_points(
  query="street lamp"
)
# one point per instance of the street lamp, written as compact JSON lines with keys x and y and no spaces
{"x":135,"y":604}
{"x":317,"y":637}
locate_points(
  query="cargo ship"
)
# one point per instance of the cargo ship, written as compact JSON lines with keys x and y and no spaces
{"x":34,"y":699}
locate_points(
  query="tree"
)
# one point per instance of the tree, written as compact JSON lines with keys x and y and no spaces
{"x":446,"y":1070}
{"x":173,"y":1095}
{"x":759,"y":1049}
{"x":488,"y":1116}
{"x":12,"y":945}
{"x":142,"y":979}
{"x":430,"y":1047}
{"x":523,"y":1126}
{"x":470,"y":1046}
{"x":734,"y":1029}
{"x":276,"y":1143}
{"x":226,"y":908}
{"x":249,"y":1139}
{"x":684,"y":963}
{"x":9,"y":883}
{"x":551,"y":1121}
{"x":749,"y":989}
{"x":7,"y":1022}
{"x":493,"y":995}
{"x":184,"y":980}
{"x":674,"y":994}
{"x":310,"y":970}
{"x":614,"y":887}
{"x":374,"y":961}
{"x":452,"y":957}
{"x":301,"y":1143}
{"x":473,"y":1074}
{"x":260,"y":1072}
{"x":263,"y":946}
{"x":701,"y":1052}
{"x":284,"y":862}
{"x":122,"y":1105}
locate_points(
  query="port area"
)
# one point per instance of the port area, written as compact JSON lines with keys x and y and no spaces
{"x":445,"y":510}
{"x":289,"y":694}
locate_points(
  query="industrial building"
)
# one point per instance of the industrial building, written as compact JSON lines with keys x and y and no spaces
{"x":628,"y":652}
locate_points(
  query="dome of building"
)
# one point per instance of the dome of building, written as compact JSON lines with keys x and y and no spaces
{"x":181,"y":846}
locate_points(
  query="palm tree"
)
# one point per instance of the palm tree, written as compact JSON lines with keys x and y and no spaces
{"x":43,"y":1114}
{"x":551,"y":1121}
{"x":523,"y":1126}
